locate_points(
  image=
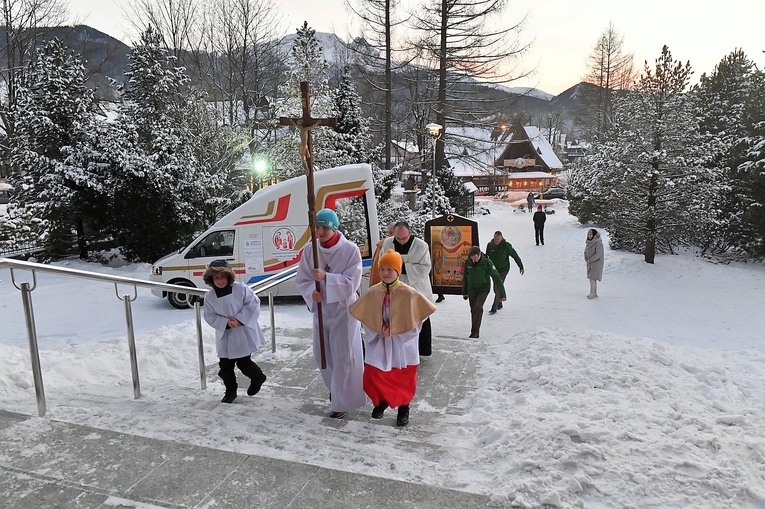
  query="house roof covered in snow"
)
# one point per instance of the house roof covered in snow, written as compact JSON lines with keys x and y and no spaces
{"x":473,"y":151}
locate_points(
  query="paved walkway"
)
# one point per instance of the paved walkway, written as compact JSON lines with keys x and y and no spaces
{"x":46,"y":463}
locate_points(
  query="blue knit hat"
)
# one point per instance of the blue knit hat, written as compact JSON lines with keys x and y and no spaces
{"x":328,"y":219}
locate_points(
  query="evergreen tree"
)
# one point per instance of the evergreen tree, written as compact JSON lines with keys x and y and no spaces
{"x":308,"y":65}
{"x":53,"y":115}
{"x":160,"y":192}
{"x":350,"y":142}
{"x":647,"y":186}
{"x":731,"y":108}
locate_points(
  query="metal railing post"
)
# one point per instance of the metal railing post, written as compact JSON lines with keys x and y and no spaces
{"x":200,"y":345}
{"x":34,"y":352}
{"x":131,"y":342}
{"x":273,"y":322}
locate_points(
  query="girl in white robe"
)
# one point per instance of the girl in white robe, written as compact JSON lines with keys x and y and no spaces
{"x":392,"y":314}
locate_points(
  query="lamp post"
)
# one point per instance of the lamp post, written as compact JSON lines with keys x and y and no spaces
{"x":434,"y":130}
{"x":502,"y":128}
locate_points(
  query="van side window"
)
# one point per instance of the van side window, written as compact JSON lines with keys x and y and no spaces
{"x":215,"y":244}
{"x":354,"y":222}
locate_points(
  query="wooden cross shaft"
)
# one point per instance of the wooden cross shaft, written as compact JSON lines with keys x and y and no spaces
{"x":305,"y":124}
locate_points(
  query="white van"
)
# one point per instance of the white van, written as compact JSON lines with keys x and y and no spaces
{"x":5,"y":193}
{"x":265,"y":235}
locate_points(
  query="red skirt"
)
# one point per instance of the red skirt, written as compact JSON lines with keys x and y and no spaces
{"x":396,"y":387}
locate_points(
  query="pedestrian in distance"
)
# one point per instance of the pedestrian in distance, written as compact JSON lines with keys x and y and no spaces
{"x":415,"y":272}
{"x":339,"y":277}
{"x":499,"y":251}
{"x":232,"y":309}
{"x":594,"y":258}
{"x":476,"y":284}
{"x":539,"y":225}
{"x":530,"y":201}
{"x":392,"y":314}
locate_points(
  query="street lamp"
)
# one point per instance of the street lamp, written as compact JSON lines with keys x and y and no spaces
{"x":502,"y":128}
{"x":434,"y":130}
{"x":260,"y":169}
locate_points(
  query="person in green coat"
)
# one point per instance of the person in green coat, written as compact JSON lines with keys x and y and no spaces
{"x":478,"y":274}
{"x":499,"y":252}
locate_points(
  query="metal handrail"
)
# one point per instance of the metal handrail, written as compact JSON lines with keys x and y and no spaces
{"x":84,"y":274}
{"x":26,"y":296}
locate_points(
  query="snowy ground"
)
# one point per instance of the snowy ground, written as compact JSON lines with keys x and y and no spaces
{"x":652,"y":396}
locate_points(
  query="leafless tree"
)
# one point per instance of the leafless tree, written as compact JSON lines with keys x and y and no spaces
{"x":467,"y":41}
{"x":24,"y":23}
{"x":375,"y":49}
{"x":611,"y":70}
{"x":230,"y":48}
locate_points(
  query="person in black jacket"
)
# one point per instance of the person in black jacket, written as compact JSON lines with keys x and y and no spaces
{"x":539,"y":225}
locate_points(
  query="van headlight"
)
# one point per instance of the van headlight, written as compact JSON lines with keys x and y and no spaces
{"x":156,"y":271}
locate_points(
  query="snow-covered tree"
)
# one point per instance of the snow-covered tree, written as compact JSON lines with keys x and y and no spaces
{"x":53,"y":115}
{"x":308,"y":64}
{"x":647,"y":186}
{"x":350,"y":142}
{"x":159,"y":198}
{"x":731,"y":107}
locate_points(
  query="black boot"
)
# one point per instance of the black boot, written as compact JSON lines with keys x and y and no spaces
{"x":377,"y":412}
{"x":256,"y":384}
{"x":228,"y":376}
{"x":253,"y":372}
{"x":403,"y":416}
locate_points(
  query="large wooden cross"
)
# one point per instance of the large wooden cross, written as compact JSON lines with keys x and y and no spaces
{"x":305,"y":124}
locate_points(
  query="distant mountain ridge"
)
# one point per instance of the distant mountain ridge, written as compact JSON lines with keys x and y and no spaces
{"x":106,"y":60}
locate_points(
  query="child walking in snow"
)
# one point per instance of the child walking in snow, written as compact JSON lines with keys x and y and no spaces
{"x":232,"y":309}
{"x":392,"y":314}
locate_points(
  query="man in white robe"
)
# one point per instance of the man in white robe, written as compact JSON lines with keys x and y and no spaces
{"x":339,"y":276}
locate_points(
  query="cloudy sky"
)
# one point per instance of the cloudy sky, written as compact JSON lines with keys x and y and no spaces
{"x":562,"y":33}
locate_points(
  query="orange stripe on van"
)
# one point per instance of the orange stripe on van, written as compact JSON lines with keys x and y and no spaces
{"x":326,"y":196}
{"x":281,"y":212}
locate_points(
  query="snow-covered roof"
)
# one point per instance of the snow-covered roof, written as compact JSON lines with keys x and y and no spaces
{"x":471,"y":188}
{"x":543,"y":147}
{"x":406,"y":145}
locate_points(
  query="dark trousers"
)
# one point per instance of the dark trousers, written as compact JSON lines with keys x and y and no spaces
{"x":539,"y":234}
{"x":426,"y":338}
{"x":476,"y":300}
{"x":246,"y":366}
{"x":498,"y":297}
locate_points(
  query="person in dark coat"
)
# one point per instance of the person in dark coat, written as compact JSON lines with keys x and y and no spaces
{"x":499,"y":251}
{"x":594,"y":258}
{"x":539,"y":225}
{"x":476,"y":284}
{"x":530,"y":201}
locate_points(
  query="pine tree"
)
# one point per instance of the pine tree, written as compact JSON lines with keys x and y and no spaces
{"x":159,"y":195}
{"x":648,"y":186}
{"x":731,"y":108}
{"x":308,"y":65}
{"x":53,"y":115}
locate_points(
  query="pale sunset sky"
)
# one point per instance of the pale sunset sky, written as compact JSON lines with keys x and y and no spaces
{"x":562,"y":33}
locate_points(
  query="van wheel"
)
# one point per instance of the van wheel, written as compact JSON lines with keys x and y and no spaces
{"x":181,"y":300}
